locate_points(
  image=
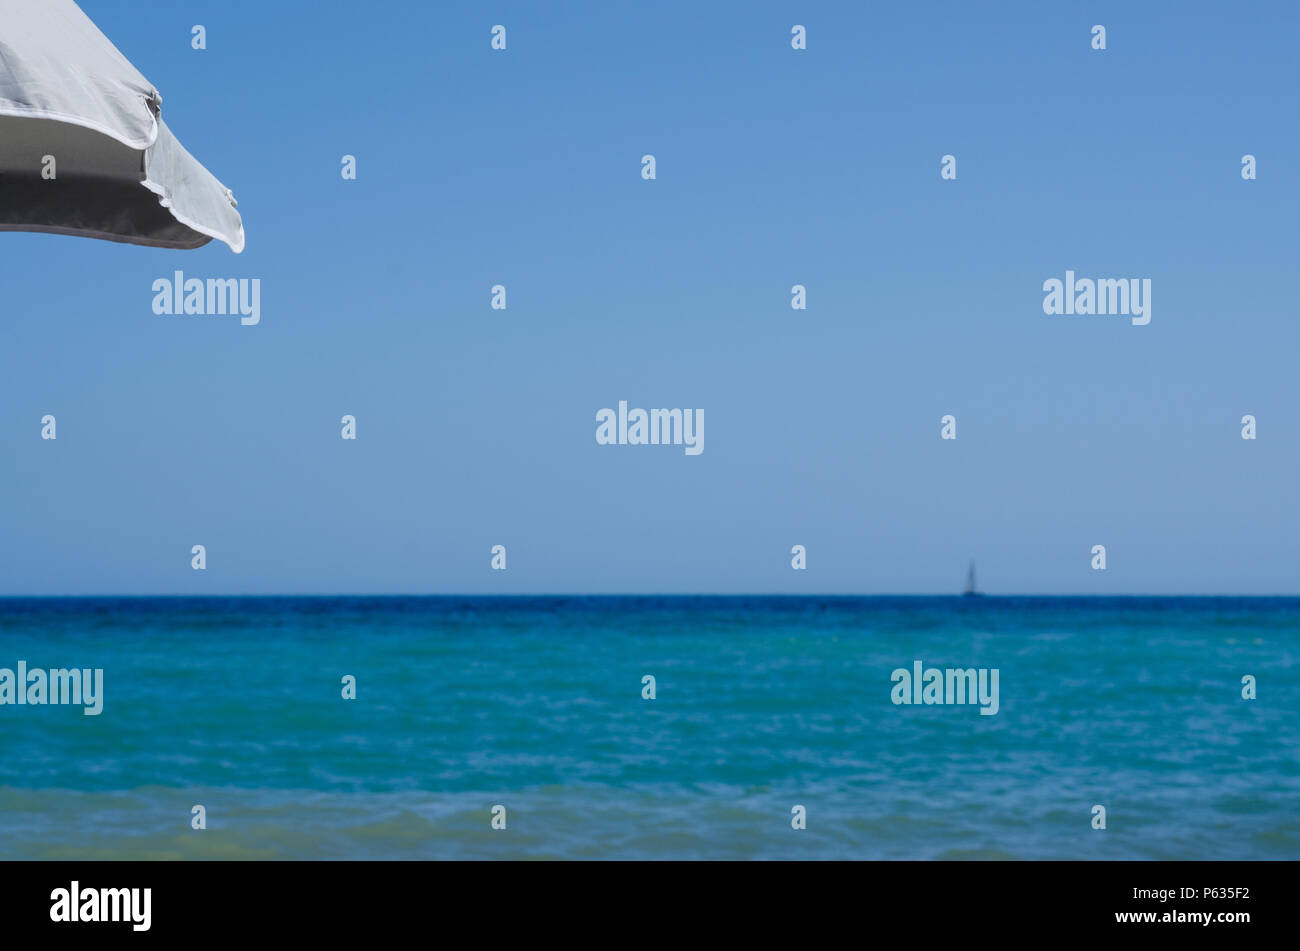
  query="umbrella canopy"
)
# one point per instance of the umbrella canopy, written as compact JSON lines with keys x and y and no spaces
{"x":118,"y":172}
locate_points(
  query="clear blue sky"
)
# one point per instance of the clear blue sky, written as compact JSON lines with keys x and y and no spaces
{"x":775,"y":167}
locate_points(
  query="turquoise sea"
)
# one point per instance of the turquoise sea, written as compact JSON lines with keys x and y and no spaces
{"x":761,"y":704}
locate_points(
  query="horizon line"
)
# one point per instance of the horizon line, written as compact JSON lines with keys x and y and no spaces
{"x":633,"y":594}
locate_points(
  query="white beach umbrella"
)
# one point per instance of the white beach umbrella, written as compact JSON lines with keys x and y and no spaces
{"x":83,"y":148}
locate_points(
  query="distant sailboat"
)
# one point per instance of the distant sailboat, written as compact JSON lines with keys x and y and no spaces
{"x":970,"y":591}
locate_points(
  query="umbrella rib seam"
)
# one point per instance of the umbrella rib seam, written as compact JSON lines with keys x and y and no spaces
{"x":17,"y":113}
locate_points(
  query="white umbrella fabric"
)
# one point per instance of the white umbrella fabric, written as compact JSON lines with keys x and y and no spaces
{"x":71,"y":105}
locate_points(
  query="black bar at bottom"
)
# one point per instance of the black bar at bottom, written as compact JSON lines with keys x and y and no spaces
{"x":667,"y":901}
